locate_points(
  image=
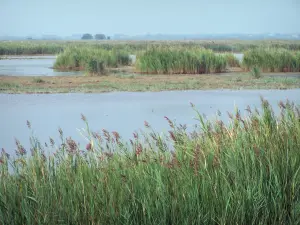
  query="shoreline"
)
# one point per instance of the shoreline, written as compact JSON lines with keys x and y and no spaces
{"x":130,"y":82}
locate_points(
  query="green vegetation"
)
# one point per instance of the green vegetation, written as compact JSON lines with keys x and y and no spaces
{"x":255,"y":72}
{"x":94,"y":61}
{"x":136,"y":82}
{"x":4,"y":86}
{"x":243,"y":173}
{"x":164,"y":60}
{"x":38,"y":80}
{"x":272,"y":60}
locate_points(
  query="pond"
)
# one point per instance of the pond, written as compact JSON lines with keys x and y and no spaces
{"x":124,"y":112}
{"x":31,"y":66}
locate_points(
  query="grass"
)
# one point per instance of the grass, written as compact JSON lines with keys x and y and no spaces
{"x":272,"y":60}
{"x":136,"y":82}
{"x":164,"y":60}
{"x":38,"y":80}
{"x":93,"y":61}
{"x":255,"y":72}
{"x":243,"y":173}
{"x":8,"y":86}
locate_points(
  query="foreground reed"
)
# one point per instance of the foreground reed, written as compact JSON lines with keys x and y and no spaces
{"x":243,"y":173}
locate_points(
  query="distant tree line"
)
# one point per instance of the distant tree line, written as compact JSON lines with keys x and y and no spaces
{"x":96,"y":37}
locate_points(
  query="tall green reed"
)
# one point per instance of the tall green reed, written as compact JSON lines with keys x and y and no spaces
{"x":246,"y":172}
{"x":170,"y":60}
{"x":272,"y":60}
{"x":93,"y":60}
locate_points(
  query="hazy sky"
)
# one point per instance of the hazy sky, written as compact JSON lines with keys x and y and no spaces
{"x":66,"y":17}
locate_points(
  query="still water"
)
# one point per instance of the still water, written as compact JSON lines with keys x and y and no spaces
{"x":31,"y":66}
{"x":124,"y":112}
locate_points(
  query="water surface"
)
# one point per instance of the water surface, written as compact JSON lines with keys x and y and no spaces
{"x":239,"y":56}
{"x":31,"y":66}
{"x":122,"y":112}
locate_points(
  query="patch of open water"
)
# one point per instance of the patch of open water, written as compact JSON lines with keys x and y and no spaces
{"x":124,"y":112}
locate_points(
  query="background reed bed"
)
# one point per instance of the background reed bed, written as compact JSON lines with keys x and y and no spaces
{"x":272,"y":60}
{"x":246,"y":172}
{"x":35,"y":47}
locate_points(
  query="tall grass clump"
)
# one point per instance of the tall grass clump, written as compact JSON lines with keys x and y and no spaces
{"x":93,"y":60}
{"x":255,"y":73}
{"x":95,"y":66}
{"x":168,"y":60}
{"x":272,"y":60}
{"x":246,"y":172}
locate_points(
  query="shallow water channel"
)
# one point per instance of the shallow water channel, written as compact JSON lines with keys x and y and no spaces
{"x":31,"y":66}
{"x":124,"y":112}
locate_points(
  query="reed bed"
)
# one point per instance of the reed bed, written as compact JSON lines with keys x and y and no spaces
{"x":92,"y":60}
{"x":246,"y":172}
{"x":166,"y":60}
{"x":272,"y":60}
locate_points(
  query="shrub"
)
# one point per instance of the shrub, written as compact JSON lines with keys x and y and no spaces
{"x":87,"y":37}
{"x":100,"y":36}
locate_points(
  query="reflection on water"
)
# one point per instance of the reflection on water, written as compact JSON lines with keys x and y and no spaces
{"x":239,"y":56}
{"x":122,"y":112}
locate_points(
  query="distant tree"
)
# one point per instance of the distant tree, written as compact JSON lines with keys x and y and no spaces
{"x":87,"y":37}
{"x":108,"y":37}
{"x":100,"y":37}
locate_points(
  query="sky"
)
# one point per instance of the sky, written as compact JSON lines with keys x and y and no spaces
{"x":133,"y":17}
